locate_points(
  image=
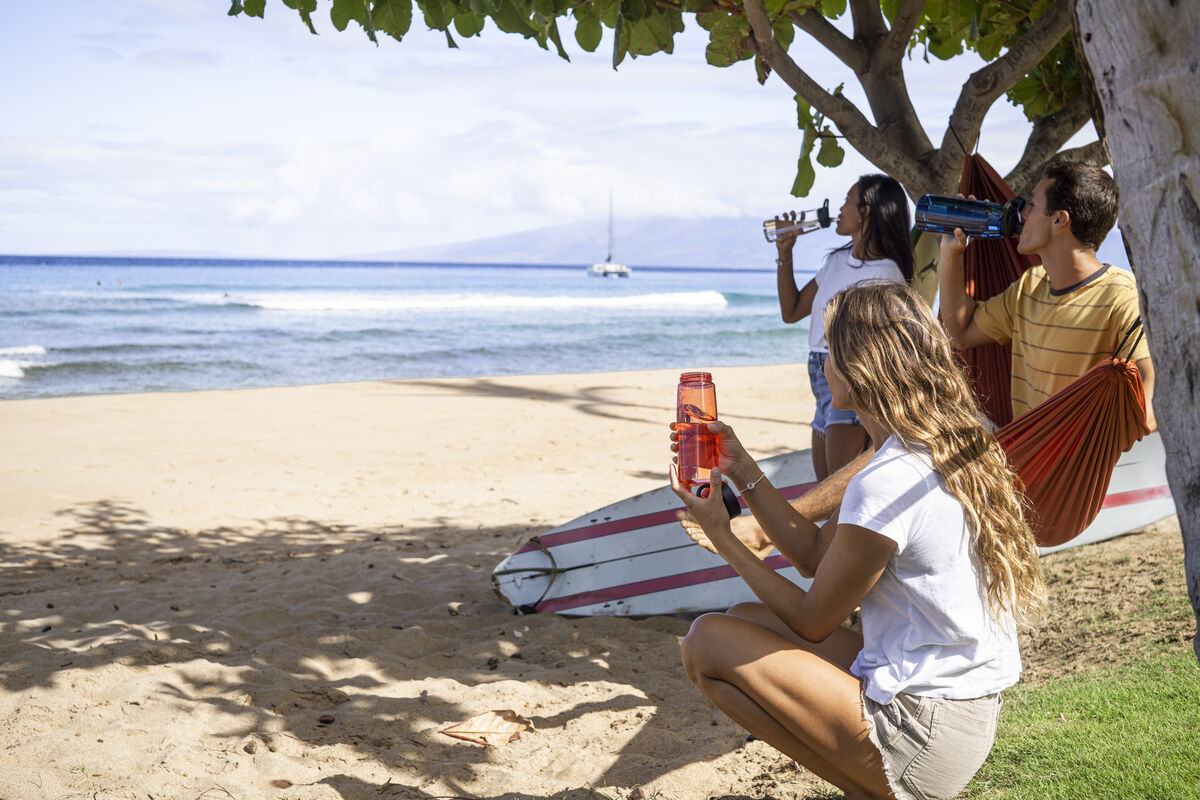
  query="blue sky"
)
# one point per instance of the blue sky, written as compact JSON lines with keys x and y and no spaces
{"x":166,"y":126}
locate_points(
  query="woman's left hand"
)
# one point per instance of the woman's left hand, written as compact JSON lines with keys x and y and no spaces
{"x":709,"y":512}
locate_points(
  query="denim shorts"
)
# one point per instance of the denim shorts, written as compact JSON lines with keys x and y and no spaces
{"x":932,"y":746}
{"x":826,"y":414}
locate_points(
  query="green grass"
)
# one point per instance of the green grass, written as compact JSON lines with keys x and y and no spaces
{"x":1124,"y":733}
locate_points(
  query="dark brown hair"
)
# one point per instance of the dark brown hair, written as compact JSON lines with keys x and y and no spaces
{"x":1089,"y":196}
{"x":887,"y":221}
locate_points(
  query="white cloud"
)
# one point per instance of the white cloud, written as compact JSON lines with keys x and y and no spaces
{"x":168,"y":125}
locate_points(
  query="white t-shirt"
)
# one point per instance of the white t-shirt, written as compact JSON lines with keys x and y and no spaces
{"x":927,"y":628}
{"x":839,"y":271}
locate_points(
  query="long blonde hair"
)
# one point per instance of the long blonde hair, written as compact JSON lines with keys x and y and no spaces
{"x":898,"y":366}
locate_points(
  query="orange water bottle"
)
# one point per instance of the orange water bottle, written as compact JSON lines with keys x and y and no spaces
{"x":695,"y":407}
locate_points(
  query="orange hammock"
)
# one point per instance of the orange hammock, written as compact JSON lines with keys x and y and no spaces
{"x":989,"y":266}
{"x":1064,"y":450}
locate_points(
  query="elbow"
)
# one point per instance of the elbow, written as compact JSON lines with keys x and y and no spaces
{"x":810,"y":631}
{"x":791,"y":315}
{"x":955,"y":333}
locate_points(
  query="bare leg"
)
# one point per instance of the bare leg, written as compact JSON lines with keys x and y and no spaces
{"x":819,"y":458}
{"x":843,"y":443}
{"x":796,"y":700}
{"x":840,"y":648}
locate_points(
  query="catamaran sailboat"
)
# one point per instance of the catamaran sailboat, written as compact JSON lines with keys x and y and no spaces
{"x":607,"y":269}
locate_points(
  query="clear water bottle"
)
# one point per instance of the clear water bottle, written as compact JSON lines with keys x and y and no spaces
{"x":977,"y":218}
{"x":805,"y":222}
{"x":695,"y":407}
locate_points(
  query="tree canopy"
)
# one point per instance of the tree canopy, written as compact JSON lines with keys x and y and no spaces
{"x":1027,"y":46}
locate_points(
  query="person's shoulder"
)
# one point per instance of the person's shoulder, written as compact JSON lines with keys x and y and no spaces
{"x":1033,"y":279}
{"x":834,"y":260}
{"x":1120,"y":278}
{"x":890,"y":464}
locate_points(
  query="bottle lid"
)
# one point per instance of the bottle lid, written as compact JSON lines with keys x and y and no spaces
{"x":696,"y":377}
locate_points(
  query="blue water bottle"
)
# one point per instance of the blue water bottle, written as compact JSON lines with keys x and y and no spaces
{"x":975,"y":217}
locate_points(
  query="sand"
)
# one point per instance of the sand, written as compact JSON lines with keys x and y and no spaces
{"x":285,"y":593}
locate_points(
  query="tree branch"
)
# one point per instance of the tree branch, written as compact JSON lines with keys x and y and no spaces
{"x":858,"y":130}
{"x":991,"y":81}
{"x":868,"y":20}
{"x":1094,"y":153}
{"x":1049,"y":134}
{"x":848,"y":51}
{"x":896,"y":44}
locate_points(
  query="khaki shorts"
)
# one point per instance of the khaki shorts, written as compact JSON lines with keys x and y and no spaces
{"x":932,"y":746}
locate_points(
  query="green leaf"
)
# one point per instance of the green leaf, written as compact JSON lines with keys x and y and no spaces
{"x":761,"y":70}
{"x":511,"y":20}
{"x":805,"y":175}
{"x":831,"y":153}
{"x":343,"y":11}
{"x":832,"y":9}
{"x":708,"y":20}
{"x":641,"y":39}
{"x":784,"y":32}
{"x":659,"y":27}
{"x":485,"y":7}
{"x":620,"y":42}
{"x":468,"y":23}
{"x":588,"y":31}
{"x":946,"y":49}
{"x":393,"y":17}
{"x":255,"y":8}
{"x":726,"y":41}
{"x":803,"y":113}
{"x":633,"y":10}
{"x":305,"y":8}
{"x":556,"y":37}
{"x":435,"y":14}
{"x":610,"y":12}
{"x":235,"y":8}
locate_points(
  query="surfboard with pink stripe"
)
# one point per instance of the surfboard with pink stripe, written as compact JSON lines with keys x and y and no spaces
{"x":632,"y":558}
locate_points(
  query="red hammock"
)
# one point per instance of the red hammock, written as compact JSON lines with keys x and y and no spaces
{"x":1064,"y":450}
{"x":989,"y":266}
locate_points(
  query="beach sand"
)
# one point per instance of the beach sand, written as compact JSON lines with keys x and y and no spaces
{"x":286,"y":593}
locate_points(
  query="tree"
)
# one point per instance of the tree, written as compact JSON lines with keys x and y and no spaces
{"x":1146,"y":85}
{"x":1143,"y":59}
{"x":1027,"y":44}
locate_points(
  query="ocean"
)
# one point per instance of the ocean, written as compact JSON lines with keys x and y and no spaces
{"x":83,"y":326}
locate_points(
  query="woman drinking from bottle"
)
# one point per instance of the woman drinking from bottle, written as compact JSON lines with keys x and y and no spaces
{"x":929,"y":540}
{"x":875,"y":217}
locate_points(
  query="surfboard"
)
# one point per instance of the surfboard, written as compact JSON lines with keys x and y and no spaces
{"x":632,"y":558}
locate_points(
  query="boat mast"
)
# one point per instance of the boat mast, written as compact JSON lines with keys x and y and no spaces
{"x":610,"y":228}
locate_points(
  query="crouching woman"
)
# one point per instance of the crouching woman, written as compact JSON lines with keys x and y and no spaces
{"x":931,"y":542}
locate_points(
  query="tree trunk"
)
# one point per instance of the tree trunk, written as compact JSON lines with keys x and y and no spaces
{"x":1145,"y":60}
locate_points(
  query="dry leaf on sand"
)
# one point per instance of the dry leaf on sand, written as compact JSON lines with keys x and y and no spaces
{"x":503,"y":726}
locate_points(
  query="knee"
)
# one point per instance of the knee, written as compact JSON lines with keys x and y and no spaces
{"x":747,"y":610}
{"x":701,"y":643}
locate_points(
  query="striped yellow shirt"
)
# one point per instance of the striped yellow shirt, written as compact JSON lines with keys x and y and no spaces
{"x":1058,"y":336}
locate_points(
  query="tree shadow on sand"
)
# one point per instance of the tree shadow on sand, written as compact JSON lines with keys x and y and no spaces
{"x":331,"y":647}
{"x":598,"y":401}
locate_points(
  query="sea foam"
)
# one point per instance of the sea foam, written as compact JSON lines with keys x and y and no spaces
{"x":349,"y":302}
